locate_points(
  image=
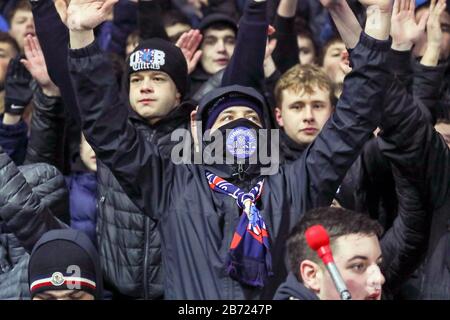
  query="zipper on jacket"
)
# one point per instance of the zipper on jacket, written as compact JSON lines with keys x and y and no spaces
{"x":241,"y":171}
{"x":145,"y":268}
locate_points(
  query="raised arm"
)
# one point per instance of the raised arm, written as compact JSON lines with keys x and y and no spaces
{"x":134,"y":161}
{"x":285,"y":54}
{"x":21,"y":209}
{"x":46,"y":142}
{"x":246,"y":66}
{"x":54,"y":39}
{"x":357,"y":114}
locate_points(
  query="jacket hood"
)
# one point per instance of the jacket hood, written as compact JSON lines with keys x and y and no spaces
{"x":211,"y":98}
{"x":292,"y":289}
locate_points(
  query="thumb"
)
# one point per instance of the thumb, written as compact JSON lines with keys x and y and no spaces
{"x":108,"y":6}
{"x":26,"y":64}
{"x":61,"y":8}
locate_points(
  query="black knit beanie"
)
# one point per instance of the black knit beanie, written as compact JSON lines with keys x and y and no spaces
{"x":160,"y":55}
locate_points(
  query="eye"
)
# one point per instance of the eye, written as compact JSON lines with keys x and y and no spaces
{"x":358,"y":267}
{"x":317,"y":106}
{"x":230,"y":40}
{"x":209,"y":41}
{"x":135,"y":80}
{"x":158,"y":79}
{"x":305,"y":51}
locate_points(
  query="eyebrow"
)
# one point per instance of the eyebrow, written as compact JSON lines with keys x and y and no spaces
{"x":363,"y":258}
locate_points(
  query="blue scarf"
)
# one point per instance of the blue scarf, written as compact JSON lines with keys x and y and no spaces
{"x":249,"y":260}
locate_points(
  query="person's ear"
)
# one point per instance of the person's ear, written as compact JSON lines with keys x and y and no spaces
{"x":311,"y":275}
{"x":278,"y":117}
{"x":194,"y":126}
{"x":178,"y":97}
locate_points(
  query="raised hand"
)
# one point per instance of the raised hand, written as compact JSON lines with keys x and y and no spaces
{"x":405,"y":30}
{"x":434,"y":31}
{"x":35,"y":64}
{"x":434,"y":34}
{"x":83,"y":15}
{"x":189,"y":43}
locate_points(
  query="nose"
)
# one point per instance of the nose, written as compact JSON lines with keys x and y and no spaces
{"x":220,"y":45}
{"x":308,"y":115}
{"x":376,"y":278}
{"x":146,"y":86}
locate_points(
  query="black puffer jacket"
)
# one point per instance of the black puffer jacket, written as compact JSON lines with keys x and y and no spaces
{"x":129,"y":241}
{"x":47,"y":187}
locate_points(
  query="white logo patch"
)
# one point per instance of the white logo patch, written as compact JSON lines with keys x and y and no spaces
{"x":146,"y":59}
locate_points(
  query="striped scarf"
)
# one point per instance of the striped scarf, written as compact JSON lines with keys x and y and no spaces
{"x":249,"y":259}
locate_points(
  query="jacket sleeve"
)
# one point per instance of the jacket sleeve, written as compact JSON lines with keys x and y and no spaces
{"x":411,"y":143}
{"x":54,"y":39}
{"x":246,"y":67}
{"x":21,"y":208}
{"x":150,"y":21}
{"x":324,"y":164}
{"x":47,"y":131}
{"x":399,"y":63}
{"x":134,"y":161}
{"x":426,"y":84}
{"x":285,"y":54}
{"x":13,"y":140}
{"x":116,"y":33}
{"x":405,"y":243}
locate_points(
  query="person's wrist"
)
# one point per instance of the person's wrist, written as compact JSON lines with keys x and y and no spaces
{"x":401,"y":46}
{"x":11,"y":119}
{"x":51,"y":90}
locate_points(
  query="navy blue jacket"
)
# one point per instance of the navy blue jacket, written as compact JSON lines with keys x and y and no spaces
{"x":14,"y":140}
{"x":83,"y":203}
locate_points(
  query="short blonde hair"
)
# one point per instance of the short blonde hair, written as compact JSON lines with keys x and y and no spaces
{"x":304,"y":78}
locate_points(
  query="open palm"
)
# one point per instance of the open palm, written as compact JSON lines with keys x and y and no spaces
{"x":404,"y":27}
{"x":87,"y":14}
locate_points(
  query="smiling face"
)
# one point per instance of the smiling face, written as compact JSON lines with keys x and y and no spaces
{"x":153,"y":94}
{"x":22,"y":24}
{"x":217,"y":47}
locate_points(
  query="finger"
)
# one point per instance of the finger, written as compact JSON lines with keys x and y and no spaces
{"x":37,"y":45}
{"x":405,"y":4}
{"x":61,"y":8}
{"x":272,"y":45}
{"x":396,"y":7}
{"x":193,"y":42}
{"x":196,"y":58}
{"x":270,"y":30}
{"x":423,"y":20}
{"x":27,"y":48}
{"x":181,"y":40}
{"x":412,"y":6}
{"x":26,"y":64}
{"x":108,"y":6}
{"x":432,"y":5}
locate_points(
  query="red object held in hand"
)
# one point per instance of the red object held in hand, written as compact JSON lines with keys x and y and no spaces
{"x":319,"y":241}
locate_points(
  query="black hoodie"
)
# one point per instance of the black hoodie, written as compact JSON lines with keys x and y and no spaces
{"x":292,"y":289}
